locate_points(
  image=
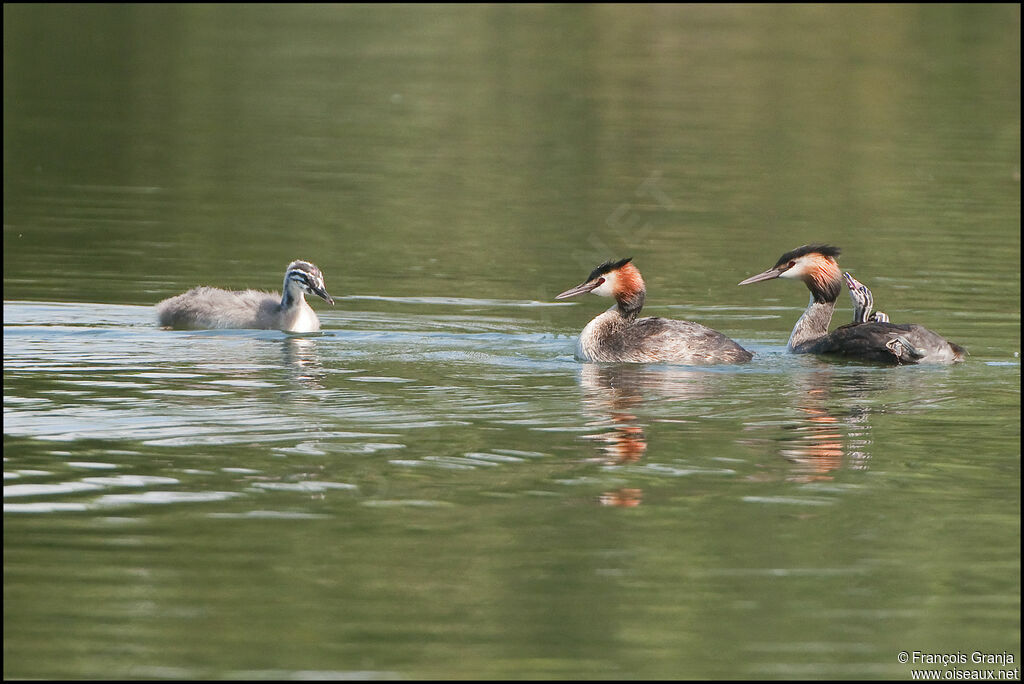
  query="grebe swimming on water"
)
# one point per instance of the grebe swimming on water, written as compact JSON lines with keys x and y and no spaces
{"x":871,"y":340}
{"x":620,"y":335}
{"x":203,"y":308}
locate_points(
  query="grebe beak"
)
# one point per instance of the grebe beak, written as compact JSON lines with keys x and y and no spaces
{"x":581,"y":289}
{"x":767,"y":275}
{"x":322,"y":294}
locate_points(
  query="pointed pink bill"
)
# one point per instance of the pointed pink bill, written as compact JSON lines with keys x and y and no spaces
{"x":581,"y":289}
{"x":767,"y":275}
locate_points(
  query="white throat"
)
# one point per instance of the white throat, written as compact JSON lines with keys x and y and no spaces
{"x":607,"y":288}
{"x":305,"y":319}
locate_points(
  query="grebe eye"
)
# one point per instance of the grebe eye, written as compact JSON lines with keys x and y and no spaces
{"x":600,"y":281}
{"x":791,"y":264}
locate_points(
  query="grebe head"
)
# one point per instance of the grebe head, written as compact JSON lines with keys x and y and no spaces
{"x":619,"y":279}
{"x":814,"y":264}
{"x":307,"y":278}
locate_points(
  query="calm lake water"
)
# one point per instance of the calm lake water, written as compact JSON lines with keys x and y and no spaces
{"x":433,"y":487}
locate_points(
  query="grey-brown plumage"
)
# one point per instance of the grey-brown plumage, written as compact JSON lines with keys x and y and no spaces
{"x":204,"y":308}
{"x":900,"y":344}
{"x":871,"y":338}
{"x":619,"y":334}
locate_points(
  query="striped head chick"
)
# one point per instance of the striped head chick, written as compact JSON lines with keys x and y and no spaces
{"x":304,"y":277}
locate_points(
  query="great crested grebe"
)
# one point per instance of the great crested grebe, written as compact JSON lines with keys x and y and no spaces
{"x":203,"y":308}
{"x":871,"y":340}
{"x":620,"y":335}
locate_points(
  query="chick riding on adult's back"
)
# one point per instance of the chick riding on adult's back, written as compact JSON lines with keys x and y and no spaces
{"x":871,"y":340}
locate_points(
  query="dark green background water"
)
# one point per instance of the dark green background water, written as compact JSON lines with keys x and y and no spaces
{"x":434,"y":487}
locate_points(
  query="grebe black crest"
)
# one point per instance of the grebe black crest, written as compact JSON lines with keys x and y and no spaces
{"x":204,"y":308}
{"x":607,"y":267}
{"x":872,"y":338}
{"x":619,"y":334}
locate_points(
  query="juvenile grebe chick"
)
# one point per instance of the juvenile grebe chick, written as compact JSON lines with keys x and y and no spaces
{"x":863,"y":300}
{"x":871,"y":340}
{"x":620,"y":335}
{"x":203,"y":308}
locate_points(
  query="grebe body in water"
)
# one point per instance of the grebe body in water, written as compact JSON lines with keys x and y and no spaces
{"x":204,"y":308}
{"x":872,"y":338}
{"x":619,"y":334}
